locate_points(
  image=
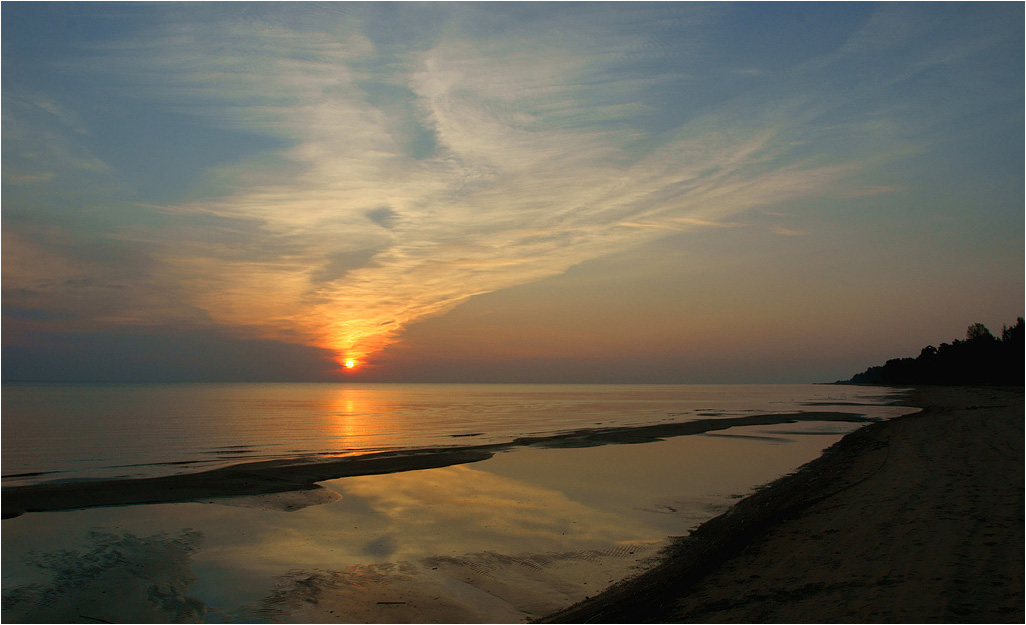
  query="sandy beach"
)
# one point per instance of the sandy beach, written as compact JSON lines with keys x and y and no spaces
{"x":918,"y":519}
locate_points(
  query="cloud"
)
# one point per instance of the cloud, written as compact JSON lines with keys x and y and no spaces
{"x":342,"y":263}
{"x":536,"y":164}
{"x":134,"y":353}
{"x":383,"y":216}
{"x":19,"y":179}
{"x":874,"y":190}
{"x":788,"y":232}
{"x":421,"y":171}
{"x":80,"y":280}
{"x":42,"y":140}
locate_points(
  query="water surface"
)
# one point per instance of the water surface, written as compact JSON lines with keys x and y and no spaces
{"x":74,"y":431}
{"x":507,"y":539}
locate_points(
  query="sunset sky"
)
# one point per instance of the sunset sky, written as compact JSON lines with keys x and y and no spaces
{"x":505,"y":192}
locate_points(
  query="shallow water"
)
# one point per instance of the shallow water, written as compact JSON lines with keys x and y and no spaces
{"x":507,"y":539}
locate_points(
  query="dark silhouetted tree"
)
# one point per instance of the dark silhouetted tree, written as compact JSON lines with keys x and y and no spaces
{"x":978,"y":331}
{"x":1013,"y":333}
{"x":981,"y":358}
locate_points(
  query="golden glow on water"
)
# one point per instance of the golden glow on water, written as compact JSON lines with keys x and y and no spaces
{"x":359,"y":420}
{"x":348,"y":418}
{"x":531,"y":530}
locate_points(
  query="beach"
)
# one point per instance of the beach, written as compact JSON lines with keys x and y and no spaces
{"x":917,"y":519}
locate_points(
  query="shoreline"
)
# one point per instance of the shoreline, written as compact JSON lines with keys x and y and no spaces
{"x":915,"y":519}
{"x":284,"y":475}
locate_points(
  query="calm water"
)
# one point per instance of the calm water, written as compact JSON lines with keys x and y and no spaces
{"x":508,"y":539}
{"x":74,"y":431}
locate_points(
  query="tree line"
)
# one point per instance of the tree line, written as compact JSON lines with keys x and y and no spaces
{"x":981,"y":358}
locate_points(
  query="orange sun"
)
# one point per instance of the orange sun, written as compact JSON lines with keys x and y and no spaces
{"x":350,"y":364}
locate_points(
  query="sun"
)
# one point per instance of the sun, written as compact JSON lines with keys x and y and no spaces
{"x":350,"y":364}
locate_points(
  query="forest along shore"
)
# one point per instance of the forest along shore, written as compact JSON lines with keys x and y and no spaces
{"x":917,"y":519}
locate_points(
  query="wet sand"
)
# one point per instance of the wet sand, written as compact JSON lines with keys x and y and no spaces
{"x":917,"y":519}
{"x":301,"y":476}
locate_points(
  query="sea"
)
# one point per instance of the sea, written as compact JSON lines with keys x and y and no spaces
{"x":506,"y":539}
{"x":88,"y":431}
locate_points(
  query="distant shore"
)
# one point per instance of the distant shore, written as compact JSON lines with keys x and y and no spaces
{"x":278,"y":476}
{"x":916,"y":519}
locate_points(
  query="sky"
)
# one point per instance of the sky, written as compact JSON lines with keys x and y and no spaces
{"x":505,"y":192}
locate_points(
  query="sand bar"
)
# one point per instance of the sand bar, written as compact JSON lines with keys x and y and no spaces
{"x":277,"y":476}
{"x":917,"y":519}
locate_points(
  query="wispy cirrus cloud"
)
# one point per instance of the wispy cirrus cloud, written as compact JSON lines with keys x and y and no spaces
{"x":879,"y":189}
{"x":489,"y":150}
{"x":788,"y":232}
{"x":537,"y":162}
{"x":41,"y":138}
